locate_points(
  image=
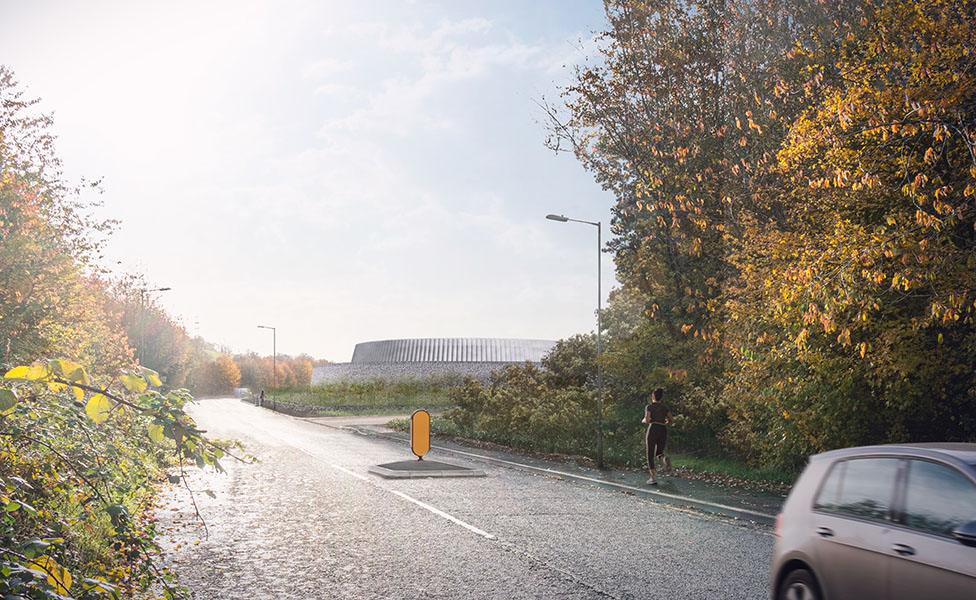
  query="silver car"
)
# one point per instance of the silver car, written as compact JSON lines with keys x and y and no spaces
{"x":880,"y":523}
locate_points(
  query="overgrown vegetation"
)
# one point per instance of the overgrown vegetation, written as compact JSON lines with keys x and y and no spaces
{"x":795,"y":231}
{"x":85,"y":432}
{"x":795,"y":215}
{"x":552,"y":408}
{"x":374,"y":396}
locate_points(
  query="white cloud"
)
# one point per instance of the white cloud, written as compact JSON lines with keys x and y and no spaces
{"x":325,"y":68}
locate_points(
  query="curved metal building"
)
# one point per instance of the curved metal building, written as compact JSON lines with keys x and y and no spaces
{"x":451,"y":350}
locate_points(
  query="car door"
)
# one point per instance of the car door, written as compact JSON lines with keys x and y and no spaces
{"x":929,"y":562}
{"x":853,"y":528}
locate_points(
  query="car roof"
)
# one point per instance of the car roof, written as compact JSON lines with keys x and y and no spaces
{"x":961,"y":452}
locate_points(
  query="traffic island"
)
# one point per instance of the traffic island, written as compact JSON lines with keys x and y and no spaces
{"x":420,"y":445}
{"x":406,"y":469}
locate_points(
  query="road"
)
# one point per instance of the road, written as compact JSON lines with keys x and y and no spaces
{"x":308,"y":521}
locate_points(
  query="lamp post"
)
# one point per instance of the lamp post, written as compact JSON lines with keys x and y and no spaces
{"x":274,"y":363}
{"x":140,"y":352}
{"x":599,"y":342}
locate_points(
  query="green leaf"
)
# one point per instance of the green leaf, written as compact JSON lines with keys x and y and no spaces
{"x":155,"y":432}
{"x":8,"y":400}
{"x":133,"y":383}
{"x":98,"y":408}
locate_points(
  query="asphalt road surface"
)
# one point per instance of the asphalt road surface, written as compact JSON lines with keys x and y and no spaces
{"x":309,"y":521}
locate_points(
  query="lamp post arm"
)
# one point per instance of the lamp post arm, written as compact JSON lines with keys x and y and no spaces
{"x":595,"y":224}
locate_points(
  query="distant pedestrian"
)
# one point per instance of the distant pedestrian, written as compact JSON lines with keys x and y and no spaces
{"x":657,"y":417}
{"x":261,"y":399}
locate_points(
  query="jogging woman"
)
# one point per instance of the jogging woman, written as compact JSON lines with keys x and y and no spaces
{"x":657,"y":417}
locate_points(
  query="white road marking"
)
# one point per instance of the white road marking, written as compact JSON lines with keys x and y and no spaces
{"x":441,"y":513}
{"x":419,"y":503}
{"x":406,"y":497}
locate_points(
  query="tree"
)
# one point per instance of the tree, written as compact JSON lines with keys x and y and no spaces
{"x":80,"y":435}
{"x":855,"y":311}
{"x":217,"y":377}
{"x":794,"y":214}
{"x":52,"y":299}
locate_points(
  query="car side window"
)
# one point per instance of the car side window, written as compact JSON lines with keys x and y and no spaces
{"x":938,"y":498}
{"x":828,"y":497}
{"x":862,"y":487}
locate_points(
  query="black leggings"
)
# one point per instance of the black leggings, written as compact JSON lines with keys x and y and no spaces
{"x":656,"y":440}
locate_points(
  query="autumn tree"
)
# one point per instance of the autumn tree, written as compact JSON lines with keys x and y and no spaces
{"x":257,"y":372}
{"x":52,"y":298}
{"x":217,"y":377}
{"x":855,"y":310}
{"x":793,"y":219}
{"x":82,"y":429}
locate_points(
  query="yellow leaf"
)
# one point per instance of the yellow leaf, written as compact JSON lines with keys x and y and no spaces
{"x":152,"y":377}
{"x":17,"y":373}
{"x":36,"y":372}
{"x":78,"y":393}
{"x":57,"y":576}
{"x":69,"y":370}
{"x":133,"y":383}
{"x":863,"y":348}
{"x":98,"y":408}
{"x":32,"y":372}
{"x":155,"y":432}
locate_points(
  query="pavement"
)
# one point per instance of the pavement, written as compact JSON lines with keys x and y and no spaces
{"x":307,"y":520}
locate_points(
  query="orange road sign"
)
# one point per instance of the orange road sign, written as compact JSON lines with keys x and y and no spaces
{"x":420,"y":433}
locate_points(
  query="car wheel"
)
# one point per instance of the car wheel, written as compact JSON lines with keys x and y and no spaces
{"x":799,"y":585}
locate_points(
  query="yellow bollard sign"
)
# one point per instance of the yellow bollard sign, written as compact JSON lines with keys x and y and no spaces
{"x":420,"y":433}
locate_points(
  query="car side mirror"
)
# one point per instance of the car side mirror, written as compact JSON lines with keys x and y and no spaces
{"x":966,"y":534}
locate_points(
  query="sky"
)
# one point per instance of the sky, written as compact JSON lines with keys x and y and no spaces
{"x":343,"y":171}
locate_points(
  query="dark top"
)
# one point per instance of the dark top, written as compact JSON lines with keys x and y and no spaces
{"x":658,"y":412}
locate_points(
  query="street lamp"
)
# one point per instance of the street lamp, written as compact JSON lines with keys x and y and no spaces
{"x":274,"y":362}
{"x":142,"y":318}
{"x":599,"y":342}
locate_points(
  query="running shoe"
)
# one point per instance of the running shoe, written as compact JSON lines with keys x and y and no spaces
{"x":652,"y":481}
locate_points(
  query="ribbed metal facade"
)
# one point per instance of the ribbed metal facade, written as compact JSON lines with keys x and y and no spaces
{"x":451,"y":350}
